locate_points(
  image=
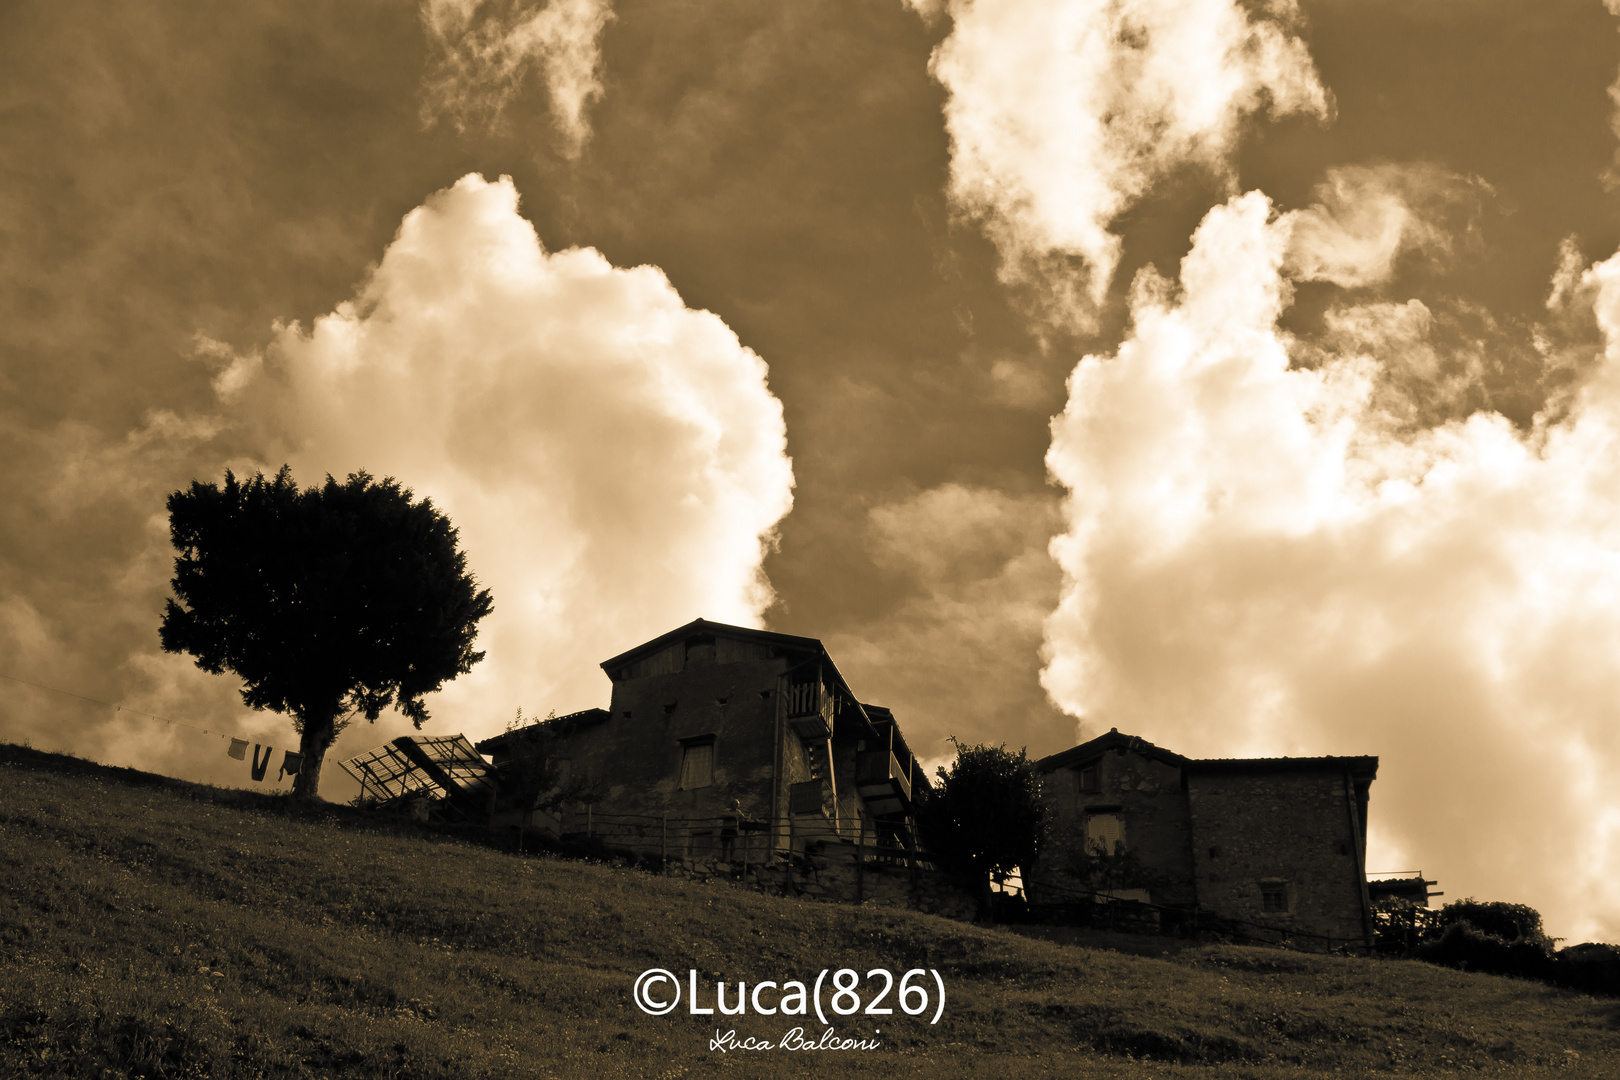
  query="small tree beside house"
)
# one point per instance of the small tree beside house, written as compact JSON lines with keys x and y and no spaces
{"x":983,"y":816}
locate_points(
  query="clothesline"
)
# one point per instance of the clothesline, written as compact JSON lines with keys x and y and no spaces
{"x":291,"y":760}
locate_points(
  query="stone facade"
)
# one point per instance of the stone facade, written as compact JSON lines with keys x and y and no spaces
{"x":753,"y":730}
{"x":1272,"y":845}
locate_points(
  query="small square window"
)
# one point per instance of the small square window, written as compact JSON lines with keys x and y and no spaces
{"x":1088,"y":780}
{"x":1274,"y":897}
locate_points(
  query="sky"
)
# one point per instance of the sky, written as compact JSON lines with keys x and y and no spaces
{"x":1245,"y":376}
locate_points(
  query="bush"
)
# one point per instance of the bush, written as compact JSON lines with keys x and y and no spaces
{"x":1592,"y":967}
{"x":1400,"y":924}
{"x":1509,"y":922}
{"x":1464,"y":945}
{"x":1505,"y":939}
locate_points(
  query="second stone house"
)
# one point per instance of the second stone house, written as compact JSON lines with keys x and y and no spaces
{"x":1274,"y":845}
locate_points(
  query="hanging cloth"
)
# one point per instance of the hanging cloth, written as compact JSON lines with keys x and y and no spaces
{"x":261,"y":767}
{"x":291,"y":764}
{"x":238,"y":749}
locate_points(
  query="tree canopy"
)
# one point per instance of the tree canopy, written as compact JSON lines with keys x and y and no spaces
{"x":984,"y":814}
{"x":346,"y":597}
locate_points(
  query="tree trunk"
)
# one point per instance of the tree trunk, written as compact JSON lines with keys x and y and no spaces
{"x":313,"y":742}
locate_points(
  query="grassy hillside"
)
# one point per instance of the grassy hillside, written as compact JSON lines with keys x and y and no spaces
{"x":155,"y":928}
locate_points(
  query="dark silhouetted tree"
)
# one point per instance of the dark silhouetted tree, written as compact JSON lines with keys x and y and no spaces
{"x":334,"y":599}
{"x":983,"y":815}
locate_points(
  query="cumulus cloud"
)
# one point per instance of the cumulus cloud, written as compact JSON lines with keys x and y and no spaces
{"x":1260,"y":559}
{"x":485,"y":48}
{"x":1063,"y":113}
{"x":614,"y":460}
{"x":1366,"y":216}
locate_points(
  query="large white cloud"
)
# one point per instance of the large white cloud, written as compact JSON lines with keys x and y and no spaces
{"x":1264,"y":558}
{"x":1063,"y":113}
{"x":614,"y":460}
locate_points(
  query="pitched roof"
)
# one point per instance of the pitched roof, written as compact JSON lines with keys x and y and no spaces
{"x":551,"y":725}
{"x":704,"y":626}
{"x":1365,"y":767}
{"x":810,"y":648}
{"x":1115,"y":739}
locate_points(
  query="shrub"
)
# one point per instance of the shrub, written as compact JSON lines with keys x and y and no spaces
{"x":1464,"y":945}
{"x":1509,"y":922}
{"x":1400,"y":924}
{"x":1592,"y":967}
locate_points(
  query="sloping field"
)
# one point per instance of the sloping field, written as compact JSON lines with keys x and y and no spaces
{"x":154,"y":928}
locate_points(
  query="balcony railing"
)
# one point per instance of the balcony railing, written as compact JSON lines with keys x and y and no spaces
{"x":809,"y":710}
{"x":880,"y":776}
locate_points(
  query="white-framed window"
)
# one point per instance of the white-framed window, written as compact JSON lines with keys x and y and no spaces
{"x":697,"y":763}
{"x":1105,"y":833}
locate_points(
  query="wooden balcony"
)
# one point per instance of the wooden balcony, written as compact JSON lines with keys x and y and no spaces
{"x":882,"y":782}
{"x":809,"y":710}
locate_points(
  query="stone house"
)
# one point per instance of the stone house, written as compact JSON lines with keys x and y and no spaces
{"x":754,"y":731}
{"x":1273,"y":845}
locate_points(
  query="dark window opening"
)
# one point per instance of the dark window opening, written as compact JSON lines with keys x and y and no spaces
{"x":1274,"y":897}
{"x":1088,"y":780}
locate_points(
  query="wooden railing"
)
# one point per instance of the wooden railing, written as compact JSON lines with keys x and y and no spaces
{"x":804,"y":699}
{"x":874,"y":768}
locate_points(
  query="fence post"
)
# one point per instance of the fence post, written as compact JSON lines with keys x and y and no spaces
{"x":860,"y":860}
{"x":663,"y":842}
{"x":587,"y":821}
{"x":792,"y":843}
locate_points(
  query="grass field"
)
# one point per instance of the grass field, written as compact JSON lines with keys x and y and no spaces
{"x":155,"y":928}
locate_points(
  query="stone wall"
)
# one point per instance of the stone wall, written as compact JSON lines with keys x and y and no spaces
{"x":1147,"y":796}
{"x":1293,"y":830}
{"x":635,"y":757}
